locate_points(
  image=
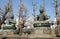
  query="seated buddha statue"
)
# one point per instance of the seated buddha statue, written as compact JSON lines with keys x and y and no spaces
{"x":11,"y":23}
{"x":42,"y":16}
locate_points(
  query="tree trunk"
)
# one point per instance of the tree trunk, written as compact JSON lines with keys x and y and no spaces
{"x":20,"y":32}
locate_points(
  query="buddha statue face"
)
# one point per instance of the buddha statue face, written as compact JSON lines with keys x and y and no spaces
{"x":11,"y":15}
{"x":41,"y":9}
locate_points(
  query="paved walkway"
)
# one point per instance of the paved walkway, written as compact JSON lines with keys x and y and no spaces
{"x":29,"y":37}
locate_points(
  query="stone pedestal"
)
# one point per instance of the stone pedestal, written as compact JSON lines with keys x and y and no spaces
{"x":53,"y":33}
{"x":43,"y":30}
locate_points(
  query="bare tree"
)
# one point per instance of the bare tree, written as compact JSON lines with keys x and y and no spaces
{"x":57,"y":16}
{"x":34,"y":9}
{"x":3,"y":17}
{"x":44,"y":4}
{"x":57,"y":11}
{"x":22,"y":14}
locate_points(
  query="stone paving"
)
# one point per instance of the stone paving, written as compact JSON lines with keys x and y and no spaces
{"x":27,"y":37}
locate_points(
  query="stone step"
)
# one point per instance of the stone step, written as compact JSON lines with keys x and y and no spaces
{"x":30,"y":38}
{"x":18,"y":38}
{"x":46,"y":38}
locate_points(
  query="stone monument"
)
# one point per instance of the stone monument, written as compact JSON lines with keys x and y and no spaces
{"x":42,"y":25}
{"x":10,"y":27}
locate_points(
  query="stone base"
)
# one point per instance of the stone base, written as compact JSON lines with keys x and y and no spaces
{"x":43,"y":30}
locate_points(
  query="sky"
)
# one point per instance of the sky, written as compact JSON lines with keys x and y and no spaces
{"x":49,"y":7}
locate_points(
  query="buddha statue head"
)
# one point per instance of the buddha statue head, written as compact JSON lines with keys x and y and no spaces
{"x":11,"y":15}
{"x":41,"y":9}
